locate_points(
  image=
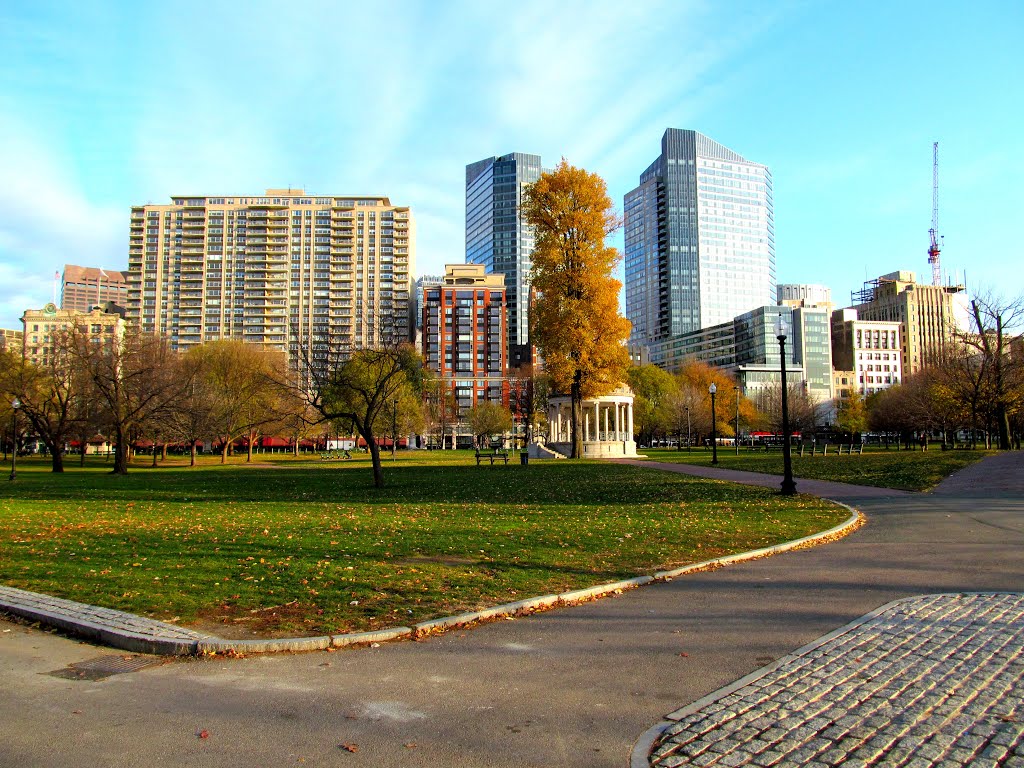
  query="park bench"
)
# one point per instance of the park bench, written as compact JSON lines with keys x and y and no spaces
{"x":491,"y":455}
{"x":335,"y":455}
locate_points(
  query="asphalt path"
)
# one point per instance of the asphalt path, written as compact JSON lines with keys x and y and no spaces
{"x":573,"y":687}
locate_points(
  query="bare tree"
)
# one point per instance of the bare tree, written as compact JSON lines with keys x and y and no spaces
{"x":441,"y":409}
{"x":804,"y":411}
{"x":49,"y":392}
{"x":995,"y":321}
{"x":134,"y":376}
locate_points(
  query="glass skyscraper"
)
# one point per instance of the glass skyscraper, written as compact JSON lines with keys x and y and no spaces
{"x":699,"y":239}
{"x":497,"y":238}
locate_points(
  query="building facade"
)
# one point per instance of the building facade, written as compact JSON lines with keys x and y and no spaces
{"x":747,"y":347}
{"x":42,"y":327}
{"x":699,"y":239}
{"x":871,"y":350}
{"x":11,"y":340}
{"x":805,"y":295}
{"x":498,"y":238}
{"x":465,"y":334}
{"x":282,"y":270}
{"x":926,"y":312}
{"x":84,"y":288}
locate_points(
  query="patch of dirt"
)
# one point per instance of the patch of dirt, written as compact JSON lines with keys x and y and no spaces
{"x":231,"y":622}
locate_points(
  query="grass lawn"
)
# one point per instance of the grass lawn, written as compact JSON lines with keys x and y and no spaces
{"x":906,"y":470}
{"x":306,"y":547}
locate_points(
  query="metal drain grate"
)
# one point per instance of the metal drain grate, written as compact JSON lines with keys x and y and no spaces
{"x":103,"y":667}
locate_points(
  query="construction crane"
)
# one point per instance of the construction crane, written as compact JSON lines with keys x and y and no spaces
{"x":934,"y":248}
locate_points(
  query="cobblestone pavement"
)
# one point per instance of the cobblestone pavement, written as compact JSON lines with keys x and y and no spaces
{"x":924,"y":681}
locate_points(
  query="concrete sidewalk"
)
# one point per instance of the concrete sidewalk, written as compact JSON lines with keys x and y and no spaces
{"x":926,"y":681}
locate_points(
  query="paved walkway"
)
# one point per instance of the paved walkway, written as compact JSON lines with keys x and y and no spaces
{"x":928,"y":681}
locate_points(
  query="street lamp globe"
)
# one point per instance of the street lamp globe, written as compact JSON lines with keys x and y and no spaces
{"x":781,"y":328}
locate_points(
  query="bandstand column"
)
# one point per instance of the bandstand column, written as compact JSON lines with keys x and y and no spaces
{"x":618,"y":421}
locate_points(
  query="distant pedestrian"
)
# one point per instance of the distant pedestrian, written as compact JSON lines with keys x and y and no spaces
{"x":924,"y":441}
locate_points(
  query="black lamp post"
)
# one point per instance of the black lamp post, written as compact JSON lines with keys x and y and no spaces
{"x":737,"y":439}
{"x":788,"y":486}
{"x":15,"y":405}
{"x":689,"y":442}
{"x":394,"y":428}
{"x":714,"y":431}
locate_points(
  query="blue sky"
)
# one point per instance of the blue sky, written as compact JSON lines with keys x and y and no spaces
{"x":106,"y":105}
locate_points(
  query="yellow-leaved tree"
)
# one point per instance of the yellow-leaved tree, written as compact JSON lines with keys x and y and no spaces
{"x":575,"y":320}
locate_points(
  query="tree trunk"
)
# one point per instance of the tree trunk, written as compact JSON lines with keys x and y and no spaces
{"x":248,"y":447}
{"x":57,"y":461}
{"x":576,"y":400}
{"x":192,"y":461}
{"x":224,"y":452}
{"x":371,"y":444}
{"x":1003,"y":422}
{"x":120,"y":453}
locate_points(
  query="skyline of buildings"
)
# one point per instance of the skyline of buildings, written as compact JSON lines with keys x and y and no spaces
{"x":288,"y":265}
{"x":699,"y":238}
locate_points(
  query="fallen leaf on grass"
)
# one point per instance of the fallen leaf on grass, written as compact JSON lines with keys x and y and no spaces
{"x":348,"y":746}
{"x":204,"y":734}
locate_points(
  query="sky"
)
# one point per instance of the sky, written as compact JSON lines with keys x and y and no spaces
{"x":105,"y":105}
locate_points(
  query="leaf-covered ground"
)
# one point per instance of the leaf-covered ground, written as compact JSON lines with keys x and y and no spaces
{"x":306,"y":547}
{"x":906,"y":470}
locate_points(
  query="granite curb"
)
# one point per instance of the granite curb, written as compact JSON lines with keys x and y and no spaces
{"x":156,"y":637}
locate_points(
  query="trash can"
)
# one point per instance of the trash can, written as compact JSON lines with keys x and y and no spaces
{"x":524,"y":458}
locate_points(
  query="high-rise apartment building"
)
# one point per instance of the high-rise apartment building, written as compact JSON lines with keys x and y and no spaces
{"x":83,"y":288}
{"x":699,"y":239}
{"x":498,"y":238}
{"x":281,"y":270}
{"x":464,"y":334}
{"x":927,"y":313}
